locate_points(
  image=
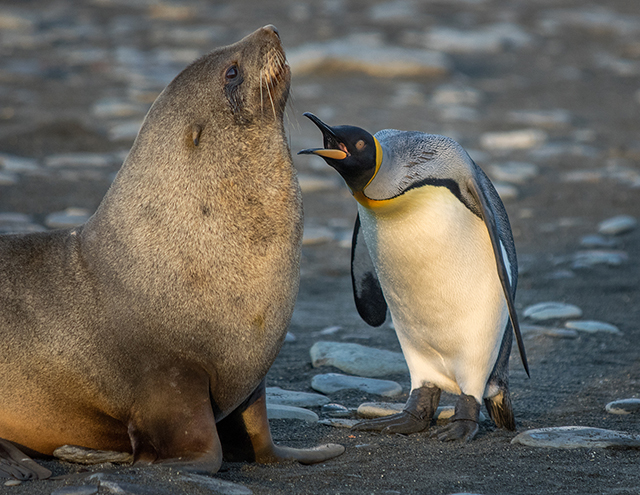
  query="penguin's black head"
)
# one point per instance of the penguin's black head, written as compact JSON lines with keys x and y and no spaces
{"x":352,"y":151}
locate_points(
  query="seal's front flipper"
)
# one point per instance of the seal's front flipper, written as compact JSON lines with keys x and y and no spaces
{"x":415,"y":417}
{"x":15,"y":464}
{"x":367,"y":292}
{"x":245,"y":436}
{"x":464,"y":423}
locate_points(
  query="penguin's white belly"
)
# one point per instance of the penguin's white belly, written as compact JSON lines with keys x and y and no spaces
{"x":438,"y":273}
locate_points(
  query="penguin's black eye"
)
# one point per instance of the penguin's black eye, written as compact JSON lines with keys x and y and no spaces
{"x":360,"y":144}
{"x":232,"y":72}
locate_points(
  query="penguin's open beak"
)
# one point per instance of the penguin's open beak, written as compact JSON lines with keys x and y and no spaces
{"x":333,"y":147}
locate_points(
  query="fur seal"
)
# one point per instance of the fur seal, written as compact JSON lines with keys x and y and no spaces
{"x":150,"y":328}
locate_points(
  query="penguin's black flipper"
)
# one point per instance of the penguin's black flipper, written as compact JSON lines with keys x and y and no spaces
{"x":366,"y":287}
{"x":489,"y":217}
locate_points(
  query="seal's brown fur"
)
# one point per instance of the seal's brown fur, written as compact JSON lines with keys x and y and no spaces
{"x":159,"y":317}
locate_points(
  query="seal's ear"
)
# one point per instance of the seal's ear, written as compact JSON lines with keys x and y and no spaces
{"x":196,"y":130}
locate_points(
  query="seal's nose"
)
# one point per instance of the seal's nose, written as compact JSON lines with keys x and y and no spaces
{"x":273,"y":29}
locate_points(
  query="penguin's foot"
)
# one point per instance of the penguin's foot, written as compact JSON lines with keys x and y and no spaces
{"x":464,"y":423}
{"x":416,"y":416}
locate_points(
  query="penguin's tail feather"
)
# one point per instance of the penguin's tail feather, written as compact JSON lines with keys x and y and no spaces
{"x":500,"y":410}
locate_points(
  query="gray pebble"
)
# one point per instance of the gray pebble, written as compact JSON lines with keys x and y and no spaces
{"x":561,"y":333}
{"x":573,"y":437}
{"x":339,"y":422}
{"x":336,"y":411}
{"x":396,"y":11}
{"x":277,"y":411}
{"x":333,"y":382}
{"x":125,"y":131}
{"x":290,"y":337}
{"x":592,"y":326}
{"x":552,"y":310}
{"x":358,"y":359}
{"x":542,"y":118}
{"x":76,"y":490}
{"x":624,"y":406}
{"x":617,"y":225}
{"x":67,"y":218}
{"x":597,"y":241}
{"x":356,"y":55}
{"x":455,"y":94}
{"x":490,"y":39}
{"x":218,"y":486}
{"x":513,"y":140}
{"x":13,"y":163}
{"x":380,"y":409}
{"x":276,"y":395}
{"x":83,"y":455}
{"x":80,"y":160}
{"x":588,"y":259}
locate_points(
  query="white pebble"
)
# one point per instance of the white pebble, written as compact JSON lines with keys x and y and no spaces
{"x":333,"y":382}
{"x":277,"y":395}
{"x":515,"y":172}
{"x":278,"y":411}
{"x":617,"y":225}
{"x":591,"y":326}
{"x":552,"y":310}
{"x":624,"y":406}
{"x":513,"y":140}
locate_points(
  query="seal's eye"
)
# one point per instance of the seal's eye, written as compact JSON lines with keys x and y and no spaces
{"x":232,"y":72}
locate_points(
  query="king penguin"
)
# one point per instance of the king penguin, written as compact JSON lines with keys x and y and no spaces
{"x":432,"y":242}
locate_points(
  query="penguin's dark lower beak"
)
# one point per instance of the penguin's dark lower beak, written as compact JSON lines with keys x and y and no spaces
{"x":325,"y":153}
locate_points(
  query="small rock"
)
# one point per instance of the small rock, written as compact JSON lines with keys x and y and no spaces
{"x":80,"y":160}
{"x":276,"y":395}
{"x":573,"y":437}
{"x":330,"y":330}
{"x":277,"y":411}
{"x":116,"y":108}
{"x":552,"y":310}
{"x":123,"y":488}
{"x":316,"y":235}
{"x":13,"y":483}
{"x":548,"y":331}
{"x":592,"y":326}
{"x":219,"y":487}
{"x":396,"y":11}
{"x":13,"y":163}
{"x":587,"y":259}
{"x":454,"y":112}
{"x":67,"y":218}
{"x":357,"y":359}
{"x":355,"y":55}
{"x":125,"y":131}
{"x":380,"y":409}
{"x":336,"y":411}
{"x":76,"y":490}
{"x":490,"y":39}
{"x":289,"y":337}
{"x":541,"y":118}
{"x":597,"y":241}
{"x":334,"y":382}
{"x":624,"y":406}
{"x":407,"y":95}
{"x":339,"y":422}
{"x":515,"y":172}
{"x":83,"y":455}
{"x":617,"y":225}
{"x":513,"y":140}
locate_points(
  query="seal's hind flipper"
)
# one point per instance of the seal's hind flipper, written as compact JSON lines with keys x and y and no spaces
{"x":245,"y":436}
{"x":15,"y":464}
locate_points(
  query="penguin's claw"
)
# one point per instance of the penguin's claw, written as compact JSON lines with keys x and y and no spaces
{"x":402,"y":423}
{"x":461,"y":430}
